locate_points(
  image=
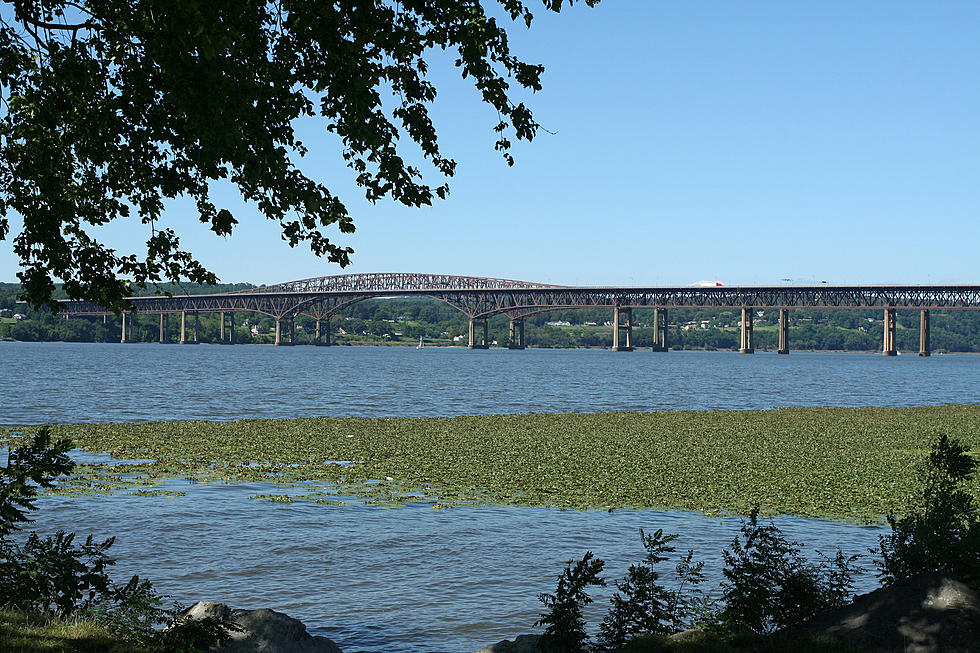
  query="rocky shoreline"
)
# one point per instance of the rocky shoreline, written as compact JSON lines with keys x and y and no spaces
{"x":929,"y":613}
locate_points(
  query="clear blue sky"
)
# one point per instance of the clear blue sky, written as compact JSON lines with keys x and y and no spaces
{"x":742,"y":142}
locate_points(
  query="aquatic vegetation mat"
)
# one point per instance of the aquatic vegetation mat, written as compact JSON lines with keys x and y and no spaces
{"x":843,"y":463}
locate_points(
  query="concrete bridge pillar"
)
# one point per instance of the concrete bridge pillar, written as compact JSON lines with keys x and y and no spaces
{"x":483,"y":342}
{"x":783,"y":331}
{"x":197,"y":327}
{"x":622,"y":322}
{"x":888,"y":340}
{"x":221,"y":329}
{"x":284,"y":332}
{"x":747,"y":346}
{"x":516,"y":340}
{"x":183,"y":327}
{"x":924,"y":333}
{"x":231,"y":328}
{"x":162,"y":328}
{"x":292,"y":331}
{"x":122,"y":337}
{"x":660,"y":330}
{"x":322,"y":336}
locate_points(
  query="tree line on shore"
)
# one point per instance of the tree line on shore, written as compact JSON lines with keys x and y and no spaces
{"x":397,"y":320}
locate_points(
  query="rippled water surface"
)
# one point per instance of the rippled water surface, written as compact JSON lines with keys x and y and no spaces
{"x":379,"y":580}
{"x":415,"y":579}
{"x":67,"y":382}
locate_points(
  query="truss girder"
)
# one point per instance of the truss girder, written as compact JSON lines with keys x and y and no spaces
{"x":484,"y":301}
{"x":395,"y":281}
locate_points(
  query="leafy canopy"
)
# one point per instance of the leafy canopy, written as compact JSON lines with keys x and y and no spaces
{"x":108,"y":108}
{"x":564,"y":621}
{"x":34,"y":465}
{"x":940,"y":530}
{"x":770,"y":585}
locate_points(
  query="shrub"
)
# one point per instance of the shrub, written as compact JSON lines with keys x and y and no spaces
{"x":55,"y":577}
{"x":940,"y":531}
{"x":565,"y":625}
{"x":34,"y":465}
{"x":769,"y":584}
{"x":642,"y":606}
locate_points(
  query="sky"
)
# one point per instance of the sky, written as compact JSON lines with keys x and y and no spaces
{"x":750,"y":143}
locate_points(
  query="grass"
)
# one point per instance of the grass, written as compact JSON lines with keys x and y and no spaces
{"x":25,"y":633}
{"x":854,"y":464}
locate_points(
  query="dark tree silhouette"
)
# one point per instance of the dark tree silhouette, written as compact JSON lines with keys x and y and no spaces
{"x":110,"y":107}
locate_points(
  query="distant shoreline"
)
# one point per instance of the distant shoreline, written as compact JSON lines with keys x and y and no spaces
{"x":413,"y":345}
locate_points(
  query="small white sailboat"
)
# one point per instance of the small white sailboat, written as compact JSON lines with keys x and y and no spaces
{"x":421,"y":344}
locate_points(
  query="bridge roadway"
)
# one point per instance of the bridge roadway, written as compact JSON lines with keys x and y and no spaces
{"x":480,"y":298}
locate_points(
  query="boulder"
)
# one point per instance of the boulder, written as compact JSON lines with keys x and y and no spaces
{"x":262,"y":631}
{"x":928,"y":613}
{"x":522,"y":644}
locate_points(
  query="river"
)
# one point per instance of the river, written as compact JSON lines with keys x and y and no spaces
{"x":415,"y":579}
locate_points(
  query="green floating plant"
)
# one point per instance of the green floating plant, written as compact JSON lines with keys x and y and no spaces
{"x":854,"y":464}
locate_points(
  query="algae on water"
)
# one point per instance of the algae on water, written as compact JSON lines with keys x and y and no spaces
{"x":842,"y":463}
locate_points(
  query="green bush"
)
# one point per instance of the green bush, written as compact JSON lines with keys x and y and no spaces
{"x":642,"y":606}
{"x":29,"y":467}
{"x":770,"y":585}
{"x":940,"y":531}
{"x":56,"y":578}
{"x":564,"y":622}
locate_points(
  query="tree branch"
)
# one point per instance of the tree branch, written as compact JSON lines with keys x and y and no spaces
{"x":62,"y":26}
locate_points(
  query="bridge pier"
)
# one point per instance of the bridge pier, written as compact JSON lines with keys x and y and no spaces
{"x":888,"y":340}
{"x":660,"y":330}
{"x":183,"y":327}
{"x":622,"y":322}
{"x":284,"y":332}
{"x":924,"y":349}
{"x":783,"y":331}
{"x":516,"y":340}
{"x":484,"y":341}
{"x":197,"y":325}
{"x":122,"y":337}
{"x":231,"y":328}
{"x":221,"y":328}
{"x":162,"y":328}
{"x":746,"y":345}
{"x":322,"y":338}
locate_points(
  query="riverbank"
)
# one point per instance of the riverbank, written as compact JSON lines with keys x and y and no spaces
{"x":854,"y":464}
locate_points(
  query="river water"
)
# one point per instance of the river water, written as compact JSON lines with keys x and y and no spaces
{"x":415,"y":579}
{"x":69,"y":382}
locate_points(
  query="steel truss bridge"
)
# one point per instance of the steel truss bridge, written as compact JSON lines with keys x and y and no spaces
{"x":480,"y":298}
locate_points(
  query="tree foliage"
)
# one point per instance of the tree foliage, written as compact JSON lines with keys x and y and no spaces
{"x":56,"y":577}
{"x":642,"y":606}
{"x":110,"y":108}
{"x":769,"y":584}
{"x":564,"y":621}
{"x":940,"y":531}
{"x":34,"y":465}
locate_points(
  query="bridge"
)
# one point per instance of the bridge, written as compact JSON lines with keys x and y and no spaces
{"x":480,"y":298}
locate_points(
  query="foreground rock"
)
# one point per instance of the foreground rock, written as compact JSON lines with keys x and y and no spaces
{"x":262,"y":631}
{"x":928,"y":613}
{"x":522,"y":644}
